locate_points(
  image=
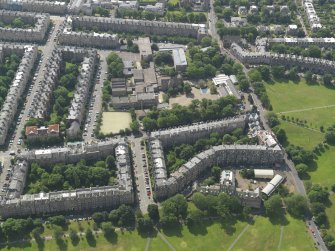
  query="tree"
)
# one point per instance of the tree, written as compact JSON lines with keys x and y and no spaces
{"x":175,"y":206}
{"x":265,"y":72}
{"x":124,"y":216}
{"x":110,"y":162}
{"x":273,"y":206}
{"x":330,"y":136}
{"x":255,"y":75}
{"x":297,"y":205}
{"x":272,"y":119}
{"x":135,"y":126}
{"x":280,"y":134}
{"x":73,"y":237}
{"x":57,"y":233}
{"x":153,"y":212}
{"x":187,"y":89}
{"x":314,"y":51}
{"x":107,"y":228}
{"x":216,"y":172}
{"x":244,"y":85}
{"x":145,"y":225}
{"x":58,"y":220}
{"x":308,"y":76}
{"x":327,"y":79}
{"x":301,"y":169}
{"x":98,"y":217}
{"x":278,"y":71}
{"x":318,"y":194}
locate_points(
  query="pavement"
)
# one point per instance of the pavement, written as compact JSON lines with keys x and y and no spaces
{"x":95,"y":106}
{"x":142,"y":179}
{"x":39,"y":75}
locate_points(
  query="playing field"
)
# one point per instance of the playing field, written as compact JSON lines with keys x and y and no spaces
{"x":113,"y":122}
{"x":288,"y":96}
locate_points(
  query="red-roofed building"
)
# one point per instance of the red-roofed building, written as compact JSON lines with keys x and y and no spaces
{"x":34,"y":132}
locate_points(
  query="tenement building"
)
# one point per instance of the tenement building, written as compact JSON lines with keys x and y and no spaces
{"x":222,"y":155}
{"x":15,"y":92}
{"x":91,"y":39}
{"x":189,"y":134}
{"x":80,"y":96}
{"x":255,"y":58}
{"x":41,"y":101}
{"x":52,"y":7}
{"x":39,"y":23}
{"x":226,"y":155}
{"x":116,"y":25}
{"x":72,"y":153}
{"x":79,"y":200}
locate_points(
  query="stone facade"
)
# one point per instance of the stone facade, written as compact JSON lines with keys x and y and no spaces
{"x":41,"y":101}
{"x":9,"y":108}
{"x":80,"y":96}
{"x":86,"y":199}
{"x":104,"y":24}
{"x":312,"y":17}
{"x":72,"y":153}
{"x":256,"y":58}
{"x":52,"y":7}
{"x":303,"y":42}
{"x":92,"y":39}
{"x":36,"y":34}
{"x":227,"y":155}
{"x":189,"y":134}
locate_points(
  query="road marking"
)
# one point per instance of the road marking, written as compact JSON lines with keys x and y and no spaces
{"x":238,"y":237}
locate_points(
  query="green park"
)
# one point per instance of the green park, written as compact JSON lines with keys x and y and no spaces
{"x":305,"y":112}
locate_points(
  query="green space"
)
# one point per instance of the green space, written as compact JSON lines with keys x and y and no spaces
{"x":173,"y":2}
{"x":301,"y":136}
{"x":8,"y":67}
{"x":206,"y":236}
{"x":16,"y":23}
{"x":113,"y":122}
{"x":264,"y":235}
{"x":324,"y":174}
{"x":330,"y":211}
{"x":60,"y":177}
{"x":126,"y":240}
{"x":288,"y":96}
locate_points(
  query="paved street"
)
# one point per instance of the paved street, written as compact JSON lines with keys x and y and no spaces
{"x":95,"y":105}
{"x":46,"y":53}
{"x":143,"y":183}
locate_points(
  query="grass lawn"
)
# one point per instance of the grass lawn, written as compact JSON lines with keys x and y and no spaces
{"x":127,"y":241}
{"x":173,"y":2}
{"x":316,"y":118}
{"x":324,"y":174}
{"x":296,"y":236}
{"x":263,"y":235}
{"x":290,"y":96}
{"x":300,"y":136}
{"x":113,"y":122}
{"x":204,"y":237}
{"x":330,"y":211}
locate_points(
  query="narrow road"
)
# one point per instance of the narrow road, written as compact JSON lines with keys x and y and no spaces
{"x":142,"y":174}
{"x":238,"y":237}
